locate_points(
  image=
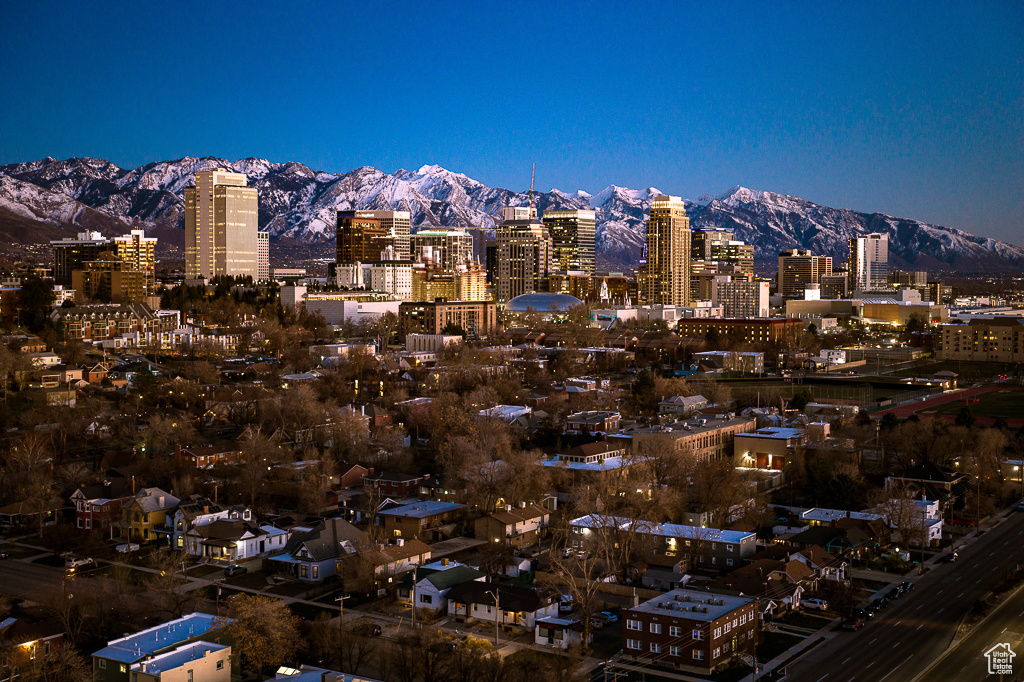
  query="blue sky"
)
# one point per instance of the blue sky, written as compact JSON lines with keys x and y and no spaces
{"x":912,"y":109}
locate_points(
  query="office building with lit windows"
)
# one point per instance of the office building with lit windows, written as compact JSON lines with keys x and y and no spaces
{"x":798,"y":268}
{"x":221,"y":225}
{"x":395,"y":224}
{"x":572,"y":238}
{"x":523,"y":259}
{"x":139,"y":252}
{"x":666,"y":272}
{"x":360,"y":239}
{"x":70,"y":254}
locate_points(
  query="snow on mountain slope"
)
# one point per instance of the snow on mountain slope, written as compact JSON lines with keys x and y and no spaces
{"x":300,"y":203}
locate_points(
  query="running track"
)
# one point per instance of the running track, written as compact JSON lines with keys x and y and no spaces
{"x":904,"y":411}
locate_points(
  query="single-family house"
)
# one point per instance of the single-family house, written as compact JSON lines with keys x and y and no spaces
{"x":146,"y":515}
{"x":313,"y":554}
{"x":506,"y":604}
{"x":517,"y":526}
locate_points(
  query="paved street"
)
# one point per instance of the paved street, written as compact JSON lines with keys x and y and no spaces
{"x":28,"y":581}
{"x":967,"y":662}
{"x":904,"y":639}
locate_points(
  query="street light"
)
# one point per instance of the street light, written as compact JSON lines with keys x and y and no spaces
{"x":497,"y":613}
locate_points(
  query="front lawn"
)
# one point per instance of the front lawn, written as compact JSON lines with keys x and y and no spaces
{"x":773,"y":644}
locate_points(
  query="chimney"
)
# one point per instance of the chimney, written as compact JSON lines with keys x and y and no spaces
{"x":400,"y":542}
{"x":206,"y":509}
{"x":160,"y":500}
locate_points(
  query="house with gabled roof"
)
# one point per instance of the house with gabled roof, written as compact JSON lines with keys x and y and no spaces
{"x":517,"y":526}
{"x":506,"y":604}
{"x":231,"y":540}
{"x":314,"y":553}
{"x":433,"y":581}
{"x":146,"y":515}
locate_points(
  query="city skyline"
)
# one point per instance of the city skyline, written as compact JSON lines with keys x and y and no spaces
{"x":869,"y":107}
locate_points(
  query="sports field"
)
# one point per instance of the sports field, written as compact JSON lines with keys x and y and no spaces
{"x":1008,"y":403}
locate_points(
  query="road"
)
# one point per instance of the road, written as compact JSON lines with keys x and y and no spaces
{"x":28,"y":581}
{"x":904,"y":639}
{"x":967,"y":661}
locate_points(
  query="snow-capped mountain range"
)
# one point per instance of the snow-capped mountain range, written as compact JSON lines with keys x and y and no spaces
{"x":298,"y":205}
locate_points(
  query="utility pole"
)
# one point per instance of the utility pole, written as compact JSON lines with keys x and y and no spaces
{"x":497,"y":614}
{"x":415,"y":572}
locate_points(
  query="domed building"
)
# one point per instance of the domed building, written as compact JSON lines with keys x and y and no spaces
{"x":547,"y":306}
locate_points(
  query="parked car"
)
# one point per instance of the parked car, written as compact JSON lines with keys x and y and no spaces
{"x":566,"y":604}
{"x":949,"y":558}
{"x":235,"y":570}
{"x":878,"y":604}
{"x":907,"y":586}
{"x":73,"y":563}
{"x":896,"y":592}
{"x":816,"y":604}
{"x":128,"y":547}
{"x":853,"y":622}
{"x":4,"y":554}
{"x":862,"y":613}
{"x":609,"y":616}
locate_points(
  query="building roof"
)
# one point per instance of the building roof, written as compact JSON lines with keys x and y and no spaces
{"x":147,"y":642}
{"x":542,"y":303}
{"x":456,"y":575}
{"x":326,"y":540}
{"x":155,"y":499}
{"x":775,"y":432}
{"x":514,"y":598}
{"x":671,"y":530}
{"x":693,"y":605}
{"x":520,"y":514}
{"x":420,"y":510}
{"x":178,"y":657}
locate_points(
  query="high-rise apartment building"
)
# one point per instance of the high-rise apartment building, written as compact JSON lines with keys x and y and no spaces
{"x":572,"y":238}
{"x":108,"y":278}
{"x":360,"y":238}
{"x":666,"y":277}
{"x":221,"y":222}
{"x":263,"y":256}
{"x":869,"y":262}
{"x":798,"y":268}
{"x":447,"y":247}
{"x":139,"y":252}
{"x":70,"y":254}
{"x":740,"y":296}
{"x":395,"y":224}
{"x":523,"y":258}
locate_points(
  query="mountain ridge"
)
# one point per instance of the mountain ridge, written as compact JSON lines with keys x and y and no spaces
{"x":298,"y":204}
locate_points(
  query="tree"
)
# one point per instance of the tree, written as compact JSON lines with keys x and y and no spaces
{"x":264,"y":631}
{"x":965,"y":417}
{"x":34,"y":301}
{"x":454,"y":329}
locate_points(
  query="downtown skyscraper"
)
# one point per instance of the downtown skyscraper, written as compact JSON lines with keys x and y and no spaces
{"x":221,"y":223}
{"x":667,"y":258}
{"x":869,"y":262}
{"x":573,"y":234}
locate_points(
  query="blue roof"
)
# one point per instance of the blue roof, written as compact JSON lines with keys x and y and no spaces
{"x":179,"y":657}
{"x":147,"y":642}
{"x":423,"y":509}
{"x":542,"y":303}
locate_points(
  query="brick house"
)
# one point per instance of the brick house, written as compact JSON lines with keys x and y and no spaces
{"x":391,"y":484}
{"x":593,"y":421}
{"x":99,"y":506}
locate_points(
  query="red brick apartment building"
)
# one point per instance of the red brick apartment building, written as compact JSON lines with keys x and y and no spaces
{"x":690,"y":630}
